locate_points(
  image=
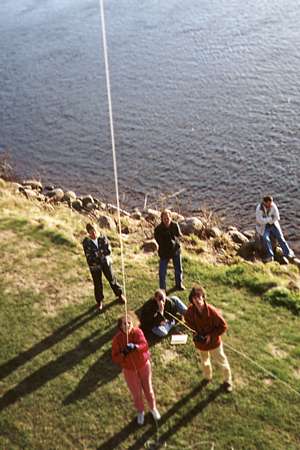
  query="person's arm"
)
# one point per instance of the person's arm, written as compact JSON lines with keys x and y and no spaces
{"x":139,"y":340}
{"x":219,"y":324}
{"x":147,"y":313}
{"x":90,"y":254}
{"x":260,"y":219}
{"x":157,"y":235}
{"x":275,"y":214}
{"x":117,"y":352}
{"x":104,"y":246}
{"x":188,"y":318}
{"x":178,"y":231}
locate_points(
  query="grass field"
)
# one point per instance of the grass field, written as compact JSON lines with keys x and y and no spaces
{"x":59,"y":389}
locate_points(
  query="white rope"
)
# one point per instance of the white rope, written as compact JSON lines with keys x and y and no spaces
{"x":118,"y":203}
{"x":243,"y":355}
{"x":108,"y":88}
{"x":262,"y":368}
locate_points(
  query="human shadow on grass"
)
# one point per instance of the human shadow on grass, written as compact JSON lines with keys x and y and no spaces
{"x":160,"y":439}
{"x":153,"y":433}
{"x":58,"y":335}
{"x":101,"y":372}
{"x":55,"y":368}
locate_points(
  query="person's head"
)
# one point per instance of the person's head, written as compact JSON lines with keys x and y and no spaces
{"x":166,"y":217}
{"x":267,"y":201}
{"x":91,"y":229}
{"x":132,"y":322}
{"x":160,"y":296}
{"x":197,"y":296}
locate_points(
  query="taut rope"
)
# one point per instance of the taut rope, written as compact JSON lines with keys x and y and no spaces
{"x":108,"y":89}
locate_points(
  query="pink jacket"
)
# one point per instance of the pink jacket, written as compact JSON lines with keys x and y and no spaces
{"x":135,"y":359}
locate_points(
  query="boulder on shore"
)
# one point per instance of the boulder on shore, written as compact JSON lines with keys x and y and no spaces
{"x":106,"y":222}
{"x":149,"y":246}
{"x":237,"y":236}
{"x":69,"y":196}
{"x":191,"y":225}
{"x":56,"y":195}
{"x":33,"y":184}
{"x":77,"y":205}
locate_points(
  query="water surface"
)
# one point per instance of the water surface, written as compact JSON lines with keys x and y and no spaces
{"x":206,"y":99}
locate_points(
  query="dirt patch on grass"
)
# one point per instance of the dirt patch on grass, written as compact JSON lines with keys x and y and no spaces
{"x":239,"y":382}
{"x":169,"y":355}
{"x":230,"y":316}
{"x":268,"y":381}
{"x":276,"y":352}
{"x":297,"y":373}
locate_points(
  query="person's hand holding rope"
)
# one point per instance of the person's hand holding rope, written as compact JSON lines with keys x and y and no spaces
{"x":129,"y":348}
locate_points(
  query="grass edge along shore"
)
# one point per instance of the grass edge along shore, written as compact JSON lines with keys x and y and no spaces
{"x":58,"y":386}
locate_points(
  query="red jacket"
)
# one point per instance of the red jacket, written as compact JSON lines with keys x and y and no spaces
{"x":209,"y":323}
{"x":135,"y":359}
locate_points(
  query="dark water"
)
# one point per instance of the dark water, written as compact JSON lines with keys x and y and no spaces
{"x":206,"y":98}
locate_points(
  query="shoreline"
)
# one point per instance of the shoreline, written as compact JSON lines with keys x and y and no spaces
{"x":225,"y":242}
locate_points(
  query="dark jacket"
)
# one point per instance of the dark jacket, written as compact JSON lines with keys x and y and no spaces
{"x":167,"y":239}
{"x":150,"y":315}
{"x":96,"y":256}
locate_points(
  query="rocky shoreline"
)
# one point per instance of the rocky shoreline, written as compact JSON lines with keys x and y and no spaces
{"x":226,"y":242}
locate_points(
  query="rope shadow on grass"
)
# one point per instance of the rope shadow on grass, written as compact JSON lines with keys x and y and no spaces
{"x":152,"y":432}
{"x":58,"y":335}
{"x":55,"y":368}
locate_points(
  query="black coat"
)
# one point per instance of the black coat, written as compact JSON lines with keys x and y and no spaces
{"x":150,"y":315}
{"x":167,"y":239}
{"x":96,"y":256}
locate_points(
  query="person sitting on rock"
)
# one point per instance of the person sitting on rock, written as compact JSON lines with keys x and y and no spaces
{"x":97,"y":251}
{"x":167,"y":235}
{"x":155,"y":315}
{"x":267,"y":226}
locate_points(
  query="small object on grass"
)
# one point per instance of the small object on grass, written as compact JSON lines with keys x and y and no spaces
{"x":179,"y":339}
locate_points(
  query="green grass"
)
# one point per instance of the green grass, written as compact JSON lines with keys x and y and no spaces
{"x":281,"y":296}
{"x":59,"y":389}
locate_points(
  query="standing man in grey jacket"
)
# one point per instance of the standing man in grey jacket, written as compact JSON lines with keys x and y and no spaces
{"x":267,"y":226}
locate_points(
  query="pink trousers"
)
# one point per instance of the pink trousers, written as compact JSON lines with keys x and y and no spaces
{"x":139,"y":381}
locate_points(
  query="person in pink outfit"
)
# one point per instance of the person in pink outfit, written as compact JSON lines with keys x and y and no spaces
{"x":130,"y":350}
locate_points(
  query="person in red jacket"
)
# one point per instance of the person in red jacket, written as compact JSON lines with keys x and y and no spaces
{"x":130,"y":351}
{"x":208,"y":324}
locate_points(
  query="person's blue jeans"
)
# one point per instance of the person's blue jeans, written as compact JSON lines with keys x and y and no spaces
{"x":180,"y":306}
{"x":272,"y":230}
{"x":163,"y":266}
{"x":163,"y":330}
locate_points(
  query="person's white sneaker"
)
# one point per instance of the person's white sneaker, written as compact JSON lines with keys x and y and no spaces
{"x":141,"y":418}
{"x":155,"y":414}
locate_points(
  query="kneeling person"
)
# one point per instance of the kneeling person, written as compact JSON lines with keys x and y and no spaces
{"x":155,"y":317}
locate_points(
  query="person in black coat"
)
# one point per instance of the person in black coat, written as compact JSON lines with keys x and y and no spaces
{"x":155,"y":315}
{"x":167,"y":235}
{"x":97,"y":251}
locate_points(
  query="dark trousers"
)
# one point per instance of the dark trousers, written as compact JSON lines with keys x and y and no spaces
{"x":163,"y":265}
{"x":106,"y":269}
